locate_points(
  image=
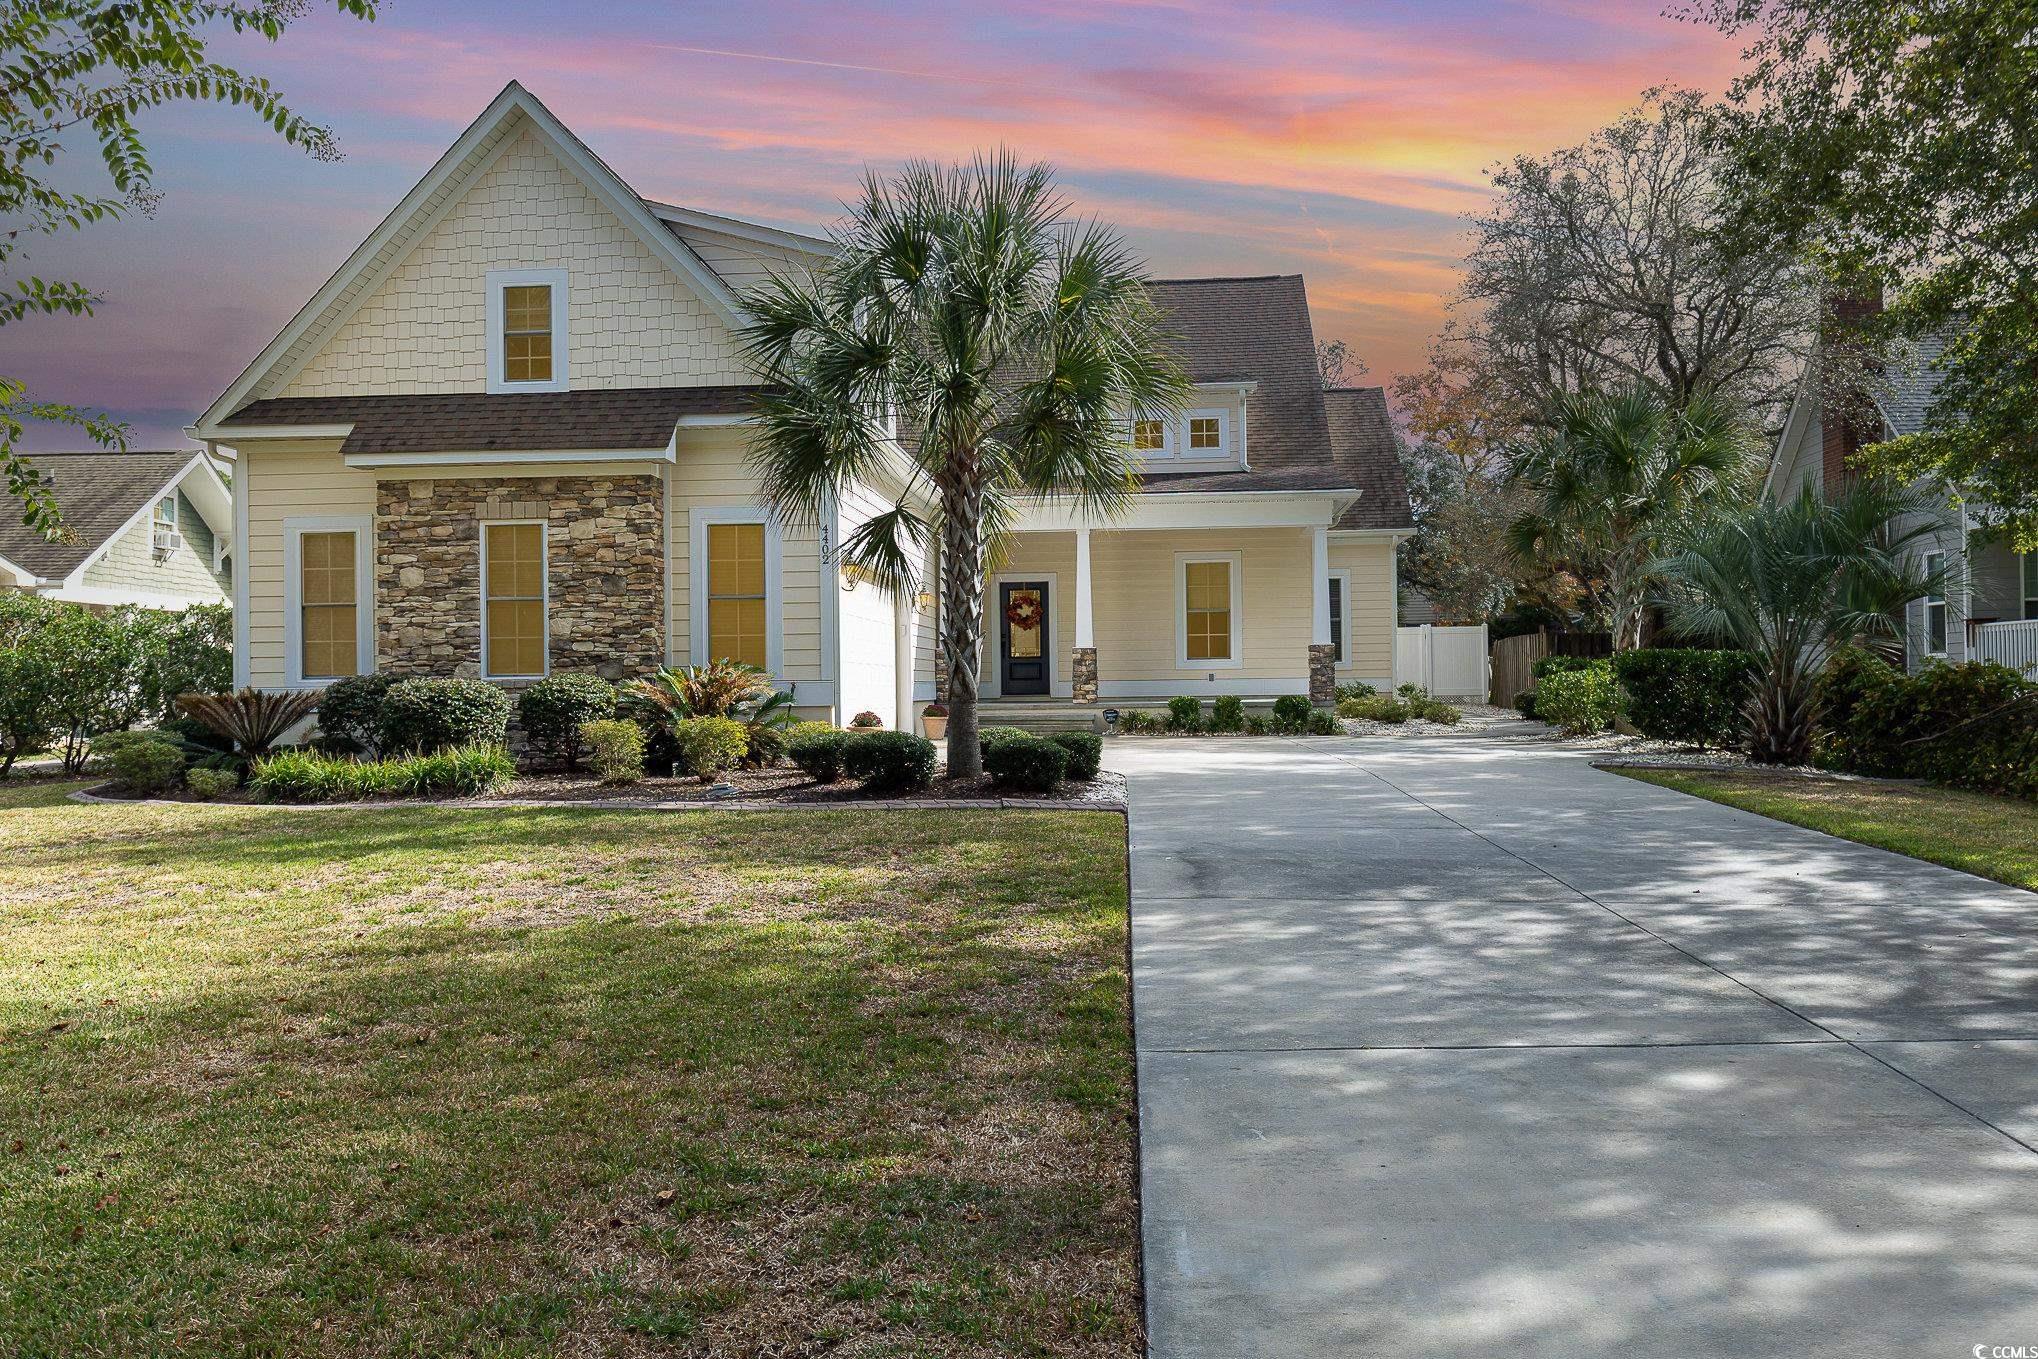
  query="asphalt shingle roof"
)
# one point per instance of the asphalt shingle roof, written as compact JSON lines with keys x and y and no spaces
{"x":1362,"y":440}
{"x":97,"y":493}
{"x":621,"y":418}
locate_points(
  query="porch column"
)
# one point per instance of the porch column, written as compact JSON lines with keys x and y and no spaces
{"x":1322,"y":654}
{"x":1083,"y":664}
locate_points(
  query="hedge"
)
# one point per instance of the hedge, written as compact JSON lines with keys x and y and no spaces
{"x":553,"y":711}
{"x":1694,"y":697}
{"x":1026,"y":762}
{"x":1973,"y":725}
{"x":1579,"y":701}
{"x":889,"y":761}
{"x":422,"y":715}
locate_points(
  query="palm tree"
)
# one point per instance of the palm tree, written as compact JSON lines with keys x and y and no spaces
{"x":1611,"y":476}
{"x":1009,"y":343}
{"x":1793,"y":582}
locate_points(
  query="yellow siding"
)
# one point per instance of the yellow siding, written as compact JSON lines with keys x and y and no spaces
{"x":281,"y":481}
{"x":1369,"y":651}
{"x":1028,"y":555}
{"x":712,"y":470}
{"x":631,"y":320}
{"x":1132,"y":579}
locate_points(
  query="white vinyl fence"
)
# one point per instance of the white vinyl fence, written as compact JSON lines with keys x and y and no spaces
{"x":2014,"y":644}
{"x":1449,"y":662}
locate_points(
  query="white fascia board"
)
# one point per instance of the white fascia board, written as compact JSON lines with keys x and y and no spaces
{"x":741,"y":229}
{"x":1188,"y":510}
{"x":1793,"y":430}
{"x":207,"y":489}
{"x":23,"y":578}
{"x":514,"y":457}
{"x":114,"y":595}
{"x":230,"y":435}
{"x":715,"y":421}
{"x":1391,"y":535}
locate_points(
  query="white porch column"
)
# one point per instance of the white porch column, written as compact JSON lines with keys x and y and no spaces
{"x":1083,"y":663}
{"x":1319,"y":565}
{"x":1084,"y":635}
{"x":1322,"y":654}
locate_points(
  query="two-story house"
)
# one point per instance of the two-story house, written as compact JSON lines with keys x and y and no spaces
{"x":511,"y":436}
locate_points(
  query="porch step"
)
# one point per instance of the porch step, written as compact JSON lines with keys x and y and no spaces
{"x":1041,"y":719}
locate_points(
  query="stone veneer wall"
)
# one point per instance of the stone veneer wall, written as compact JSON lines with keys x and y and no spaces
{"x":605,"y":568}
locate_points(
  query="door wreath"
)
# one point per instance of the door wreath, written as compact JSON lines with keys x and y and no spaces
{"x":1023,"y":610}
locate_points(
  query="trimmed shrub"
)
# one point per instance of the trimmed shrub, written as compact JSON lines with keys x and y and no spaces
{"x":1026,"y":762}
{"x":1227,"y":713}
{"x":1134,"y":722}
{"x":1973,"y":725}
{"x":615,"y":749}
{"x":890,"y":761}
{"x":1185,"y":713}
{"x":209,"y":784}
{"x":1376,"y":708}
{"x":1355,"y":689}
{"x":350,"y":713}
{"x":1695,"y":697}
{"x":553,"y":711}
{"x":1321,"y":722}
{"x":432,"y":714}
{"x":866,"y":721}
{"x":709,"y":745}
{"x":990,"y":736}
{"x":818,"y":750}
{"x":1256,"y":724}
{"x":1085,"y":750}
{"x":1291,"y":714}
{"x":146,"y":765}
{"x":1580,"y":702}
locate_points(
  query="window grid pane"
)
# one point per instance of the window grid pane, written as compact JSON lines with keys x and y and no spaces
{"x":1148,"y":435}
{"x":513,"y":596}
{"x":1207,"y":600}
{"x":328,"y":622}
{"x":1204,"y":432}
{"x":527,"y":333}
{"x":736,"y":594}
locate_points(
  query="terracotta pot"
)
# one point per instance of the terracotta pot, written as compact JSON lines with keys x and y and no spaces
{"x":937,"y":727}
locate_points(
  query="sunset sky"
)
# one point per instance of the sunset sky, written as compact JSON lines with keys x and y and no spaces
{"x":1341,"y":141}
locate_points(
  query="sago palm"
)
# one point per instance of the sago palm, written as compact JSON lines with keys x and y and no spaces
{"x":1795,"y":581}
{"x":971,"y":333}
{"x":1611,"y":476}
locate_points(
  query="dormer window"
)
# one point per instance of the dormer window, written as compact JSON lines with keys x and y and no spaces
{"x":1207,"y":435}
{"x":527,"y":341}
{"x":1149,"y":436}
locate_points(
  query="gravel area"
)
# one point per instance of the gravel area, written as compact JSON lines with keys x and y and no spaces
{"x":1473,"y":719}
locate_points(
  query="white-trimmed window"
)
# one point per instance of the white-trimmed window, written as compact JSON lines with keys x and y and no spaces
{"x":1150,"y":438}
{"x":1339,"y":586}
{"x":514,"y":599}
{"x":1208,"y":611}
{"x":734,"y":587}
{"x":328,"y":613}
{"x":2028,"y":566}
{"x":166,"y":513}
{"x":1206,"y":434}
{"x":526,"y":330}
{"x":1935,"y":607}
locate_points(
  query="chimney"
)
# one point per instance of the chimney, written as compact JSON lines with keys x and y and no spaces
{"x":1847,"y":420}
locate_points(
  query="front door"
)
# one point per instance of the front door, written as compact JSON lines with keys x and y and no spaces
{"x":1022,"y":634}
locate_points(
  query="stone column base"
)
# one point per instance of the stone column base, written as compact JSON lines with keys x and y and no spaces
{"x":1083,"y":674}
{"x":1322,"y":674}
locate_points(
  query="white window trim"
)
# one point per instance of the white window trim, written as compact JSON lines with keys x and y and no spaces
{"x":1224,"y":451}
{"x":363,"y":528}
{"x":495,"y":281}
{"x":1235,"y":561}
{"x":697,"y":582}
{"x":1343,"y":576}
{"x":155,"y":514}
{"x":544,"y":593}
{"x":1169,"y":437}
{"x":1935,"y":561}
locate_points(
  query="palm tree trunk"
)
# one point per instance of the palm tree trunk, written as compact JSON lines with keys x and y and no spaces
{"x":962,"y":622}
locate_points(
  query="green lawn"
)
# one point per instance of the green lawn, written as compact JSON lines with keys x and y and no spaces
{"x":1995,"y":837}
{"x":420,"y":1081}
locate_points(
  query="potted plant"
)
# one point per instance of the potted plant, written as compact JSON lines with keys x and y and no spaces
{"x":934,"y":719}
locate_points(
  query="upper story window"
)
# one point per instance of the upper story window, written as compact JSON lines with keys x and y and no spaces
{"x":1150,"y":436}
{"x":166,"y":512}
{"x":1935,"y":607}
{"x":1208,"y":434}
{"x":2030,"y":567}
{"x":527,"y":340}
{"x":1201,"y":434}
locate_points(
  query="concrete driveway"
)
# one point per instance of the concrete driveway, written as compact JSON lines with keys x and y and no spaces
{"x":1459,"y":1046}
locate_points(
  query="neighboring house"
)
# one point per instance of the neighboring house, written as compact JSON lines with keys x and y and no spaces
{"x":153,"y":529}
{"x":1989,"y":609}
{"x":511,"y":436}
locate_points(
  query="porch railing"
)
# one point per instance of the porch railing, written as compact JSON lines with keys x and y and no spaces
{"x":2013,"y":644}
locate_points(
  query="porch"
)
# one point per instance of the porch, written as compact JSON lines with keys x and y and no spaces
{"x":1131,"y":615}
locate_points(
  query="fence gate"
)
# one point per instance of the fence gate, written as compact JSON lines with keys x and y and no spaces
{"x":1448,"y":662}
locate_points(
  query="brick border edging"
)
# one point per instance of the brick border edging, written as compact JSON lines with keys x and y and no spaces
{"x":1114,"y":805}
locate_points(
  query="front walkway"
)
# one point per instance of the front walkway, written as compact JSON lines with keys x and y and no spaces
{"x":1459,"y":1046}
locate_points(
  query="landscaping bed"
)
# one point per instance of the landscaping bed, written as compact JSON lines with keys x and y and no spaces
{"x":1994,"y":837}
{"x":443,"y":1080}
